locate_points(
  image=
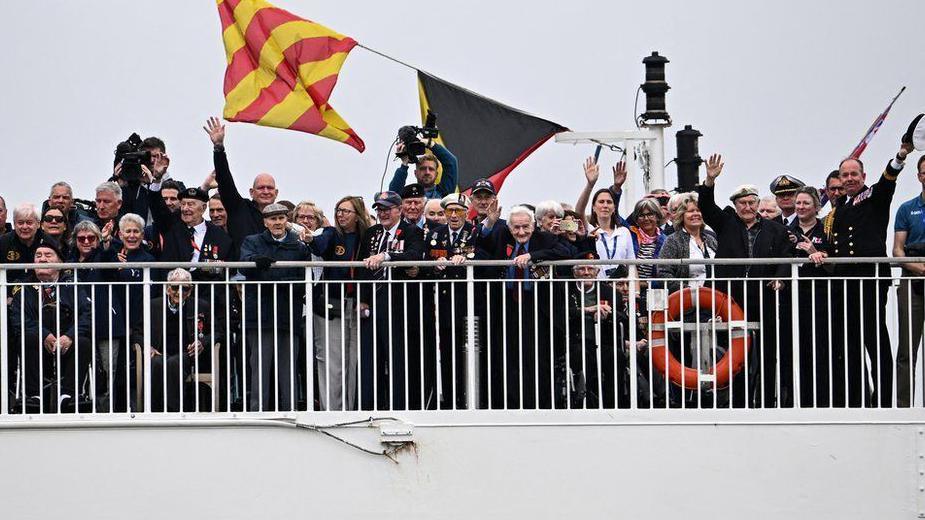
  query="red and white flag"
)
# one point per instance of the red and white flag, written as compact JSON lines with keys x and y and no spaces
{"x":859,"y":149}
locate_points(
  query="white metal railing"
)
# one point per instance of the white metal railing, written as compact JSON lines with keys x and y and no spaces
{"x":459,"y":339}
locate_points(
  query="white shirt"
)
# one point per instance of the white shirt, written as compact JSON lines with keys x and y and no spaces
{"x":698,"y":272}
{"x":618,"y":246}
{"x":199,"y":234}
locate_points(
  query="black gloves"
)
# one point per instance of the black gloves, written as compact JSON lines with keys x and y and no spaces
{"x":264,"y":262}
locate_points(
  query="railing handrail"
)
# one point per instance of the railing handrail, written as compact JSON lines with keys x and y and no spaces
{"x":476,"y":263}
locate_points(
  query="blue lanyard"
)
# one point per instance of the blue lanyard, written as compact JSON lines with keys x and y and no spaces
{"x":610,"y":254}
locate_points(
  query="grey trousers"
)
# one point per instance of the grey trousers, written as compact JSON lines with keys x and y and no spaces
{"x":270,"y":369}
{"x":335,"y":339}
{"x":911,"y":321}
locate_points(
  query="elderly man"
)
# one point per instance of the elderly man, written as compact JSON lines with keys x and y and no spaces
{"x":784,"y":187}
{"x":244,"y":216}
{"x":412,"y":207}
{"x":108,"y":205}
{"x":857,"y":227}
{"x":19,"y":246}
{"x":273,"y":311}
{"x":181,"y":338}
{"x":426,"y":172}
{"x":768,"y":209}
{"x":450,"y":245}
{"x":383,"y":346}
{"x":186,"y":235}
{"x":741,"y":233}
{"x":51,"y":320}
{"x":527,"y":354}
{"x":61,"y":196}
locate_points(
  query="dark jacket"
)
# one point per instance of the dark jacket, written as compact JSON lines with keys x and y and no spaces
{"x":817,"y":236}
{"x":732,"y":240}
{"x":14,"y":251}
{"x":177,"y":244}
{"x":438,"y":244}
{"x":407,"y":245}
{"x":173,"y":339}
{"x":859,"y":228}
{"x":57,"y":310}
{"x":334,"y":246}
{"x":244,"y":218}
{"x":288,"y":303}
{"x":500,"y":245}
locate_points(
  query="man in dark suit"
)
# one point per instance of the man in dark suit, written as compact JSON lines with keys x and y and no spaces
{"x":742,"y":233}
{"x":382,"y":347}
{"x":450,"y":244}
{"x":525,"y":360}
{"x":857,"y":227}
{"x":187,"y":237}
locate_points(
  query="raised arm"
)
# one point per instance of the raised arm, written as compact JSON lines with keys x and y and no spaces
{"x":450,"y":177}
{"x":223,"y":178}
{"x":712,"y":213}
{"x":592,"y":172}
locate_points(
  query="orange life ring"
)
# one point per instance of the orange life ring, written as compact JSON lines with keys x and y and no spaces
{"x":727,"y":309}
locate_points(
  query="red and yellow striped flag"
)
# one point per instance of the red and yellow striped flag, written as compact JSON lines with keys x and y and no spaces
{"x":282,"y":70}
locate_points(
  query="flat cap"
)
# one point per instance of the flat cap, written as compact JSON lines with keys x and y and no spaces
{"x":784,"y":184}
{"x":275,"y":209}
{"x":386,"y":199}
{"x":744,"y":191}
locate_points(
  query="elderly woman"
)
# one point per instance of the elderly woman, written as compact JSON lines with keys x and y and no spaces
{"x":768,"y":208}
{"x":548,"y":215}
{"x":688,"y":241}
{"x":307,"y":215}
{"x":647,"y":234}
{"x":54,"y":224}
{"x":807,"y":233}
{"x":125,"y":294}
{"x":107,"y":309}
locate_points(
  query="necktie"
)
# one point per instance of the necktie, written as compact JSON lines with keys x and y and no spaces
{"x":454,"y":236}
{"x":385,"y":243}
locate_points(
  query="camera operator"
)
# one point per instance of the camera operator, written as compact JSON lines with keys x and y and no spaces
{"x":135,"y":159}
{"x":427,"y":164}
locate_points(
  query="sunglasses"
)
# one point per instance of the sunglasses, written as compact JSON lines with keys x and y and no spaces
{"x":175,"y":287}
{"x":52,"y":218}
{"x":454,"y":211}
{"x":87,"y":239}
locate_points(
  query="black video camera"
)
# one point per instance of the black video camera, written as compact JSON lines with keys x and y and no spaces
{"x":412,"y":137}
{"x":132,"y":157}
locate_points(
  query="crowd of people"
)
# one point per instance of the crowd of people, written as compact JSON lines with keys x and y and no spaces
{"x":389,"y":337}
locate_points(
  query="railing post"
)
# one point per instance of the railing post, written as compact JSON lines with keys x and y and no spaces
{"x":633,"y":325}
{"x":310,"y":348}
{"x":472,"y":382}
{"x":146,"y":325}
{"x":795,"y":332}
{"x":4,"y":347}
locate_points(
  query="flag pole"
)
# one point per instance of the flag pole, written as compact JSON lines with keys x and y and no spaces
{"x":386,"y":56}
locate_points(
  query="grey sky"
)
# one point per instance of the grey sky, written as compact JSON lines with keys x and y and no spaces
{"x":784,"y":86}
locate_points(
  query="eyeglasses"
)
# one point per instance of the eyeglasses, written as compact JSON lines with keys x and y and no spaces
{"x":646,"y":215}
{"x":87,"y":239}
{"x":343,"y":211}
{"x":454,"y":211}
{"x":53,"y":218}
{"x":837,"y":188}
